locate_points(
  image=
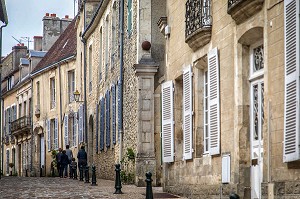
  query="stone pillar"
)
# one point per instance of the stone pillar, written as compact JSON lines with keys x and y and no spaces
{"x":145,"y":158}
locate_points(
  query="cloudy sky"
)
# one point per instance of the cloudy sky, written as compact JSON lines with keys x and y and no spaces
{"x":25,"y":19}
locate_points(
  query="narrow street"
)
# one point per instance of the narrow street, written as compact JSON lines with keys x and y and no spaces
{"x":63,"y":188}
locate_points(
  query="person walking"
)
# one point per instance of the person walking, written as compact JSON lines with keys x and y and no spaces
{"x":82,"y":157}
{"x":69,"y":153}
{"x":64,"y":164}
{"x":58,"y":160}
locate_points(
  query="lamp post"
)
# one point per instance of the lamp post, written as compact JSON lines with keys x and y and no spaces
{"x":4,"y":19}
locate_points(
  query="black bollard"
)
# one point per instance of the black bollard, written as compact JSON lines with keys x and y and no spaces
{"x":87,"y":175}
{"x":41,"y":172}
{"x":149,"y":193}
{"x":234,"y":196}
{"x":26,"y":173}
{"x":94,"y":181}
{"x":80,"y":173}
{"x":75,"y":172}
{"x":118,"y":185}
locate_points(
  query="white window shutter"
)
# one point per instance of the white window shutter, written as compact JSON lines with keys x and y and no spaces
{"x":187,"y":114}
{"x":226,"y":168}
{"x":167,"y":122}
{"x":48,"y":135}
{"x":66,"y":130}
{"x":291,"y":105}
{"x":213,"y":102}
{"x":56,"y":133}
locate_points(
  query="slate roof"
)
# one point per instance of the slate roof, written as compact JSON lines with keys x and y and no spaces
{"x":64,"y":47}
{"x":24,"y":61}
{"x":34,"y":53}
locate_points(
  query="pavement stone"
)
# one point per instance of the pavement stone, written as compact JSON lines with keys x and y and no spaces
{"x":64,"y":188}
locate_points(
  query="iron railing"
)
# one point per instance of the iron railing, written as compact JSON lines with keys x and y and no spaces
{"x":197,"y":16}
{"x":21,"y":123}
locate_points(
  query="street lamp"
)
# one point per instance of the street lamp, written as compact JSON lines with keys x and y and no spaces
{"x":77,"y":96}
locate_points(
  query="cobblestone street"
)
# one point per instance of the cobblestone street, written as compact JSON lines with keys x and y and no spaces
{"x":47,"y":187}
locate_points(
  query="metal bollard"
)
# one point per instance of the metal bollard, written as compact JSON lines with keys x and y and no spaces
{"x":149,"y":193}
{"x":81,"y":173}
{"x":74,"y":172}
{"x":26,"y":173}
{"x":87,"y":175}
{"x":118,"y":185}
{"x":94,"y":181}
{"x":234,"y":196}
{"x":41,"y":172}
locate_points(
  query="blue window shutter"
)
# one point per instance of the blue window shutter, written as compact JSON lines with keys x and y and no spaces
{"x":102,"y":124}
{"x":119,"y":109}
{"x":66,"y":124}
{"x":56,"y":134}
{"x":75,"y":129}
{"x":48,"y":135}
{"x":108,"y":119}
{"x":113,"y":93}
{"x":97,"y":126}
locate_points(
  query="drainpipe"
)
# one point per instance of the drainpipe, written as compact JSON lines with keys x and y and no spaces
{"x":60,"y":107}
{"x":31,"y":129}
{"x":84,"y":77}
{"x":121,"y":77}
{"x":1,"y":93}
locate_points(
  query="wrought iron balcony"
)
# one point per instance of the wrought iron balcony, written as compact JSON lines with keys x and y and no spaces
{"x":198,"y":23}
{"x":241,"y":10}
{"x":23,"y":124}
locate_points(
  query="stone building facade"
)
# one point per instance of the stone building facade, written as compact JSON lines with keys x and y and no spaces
{"x":229,"y":115}
{"x":134,"y":148}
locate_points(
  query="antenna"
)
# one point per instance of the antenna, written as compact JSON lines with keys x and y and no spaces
{"x":26,"y":39}
{"x":19,"y":41}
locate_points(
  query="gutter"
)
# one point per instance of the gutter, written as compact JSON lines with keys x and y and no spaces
{"x":52,"y":65}
{"x":121,"y":130}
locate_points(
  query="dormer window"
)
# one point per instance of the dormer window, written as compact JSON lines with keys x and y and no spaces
{"x":10,"y":82}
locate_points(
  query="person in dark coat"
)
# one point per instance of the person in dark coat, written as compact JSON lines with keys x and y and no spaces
{"x":82,"y":157}
{"x":58,"y":160}
{"x":64,"y":160}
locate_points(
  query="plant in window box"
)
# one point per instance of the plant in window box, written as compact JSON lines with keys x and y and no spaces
{"x":130,"y":154}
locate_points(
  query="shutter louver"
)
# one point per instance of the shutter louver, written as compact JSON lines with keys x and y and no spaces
{"x":48,"y":135}
{"x":75,"y":129}
{"x":97,"y":126}
{"x":107,"y":119}
{"x":113,"y":92}
{"x":102,"y":124}
{"x":214,"y":102}
{"x":5,"y":122}
{"x":167,"y":122}
{"x":56,"y":133}
{"x":15,"y":112}
{"x":187,"y":114}
{"x":66,"y":123}
{"x":291,"y":114}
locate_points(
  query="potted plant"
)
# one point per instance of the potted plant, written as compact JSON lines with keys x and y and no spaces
{"x":11,"y":165}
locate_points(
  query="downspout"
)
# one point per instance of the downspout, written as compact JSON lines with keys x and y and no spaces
{"x":121,"y":77}
{"x":60,"y":107}
{"x":1,"y":104}
{"x":31,"y":129}
{"x":84,"y":77}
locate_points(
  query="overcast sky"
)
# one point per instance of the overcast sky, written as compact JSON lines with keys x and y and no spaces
{"x":25,"y":19}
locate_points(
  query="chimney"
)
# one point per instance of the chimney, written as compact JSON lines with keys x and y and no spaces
{"x":18,"y":51}
{"x":66,"y":16}
{"x":47,"y":14}
{"x":38,"y":43}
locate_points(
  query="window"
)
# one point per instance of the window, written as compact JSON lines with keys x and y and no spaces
{"x":29,"y":106}
{"x":52,"y":93}
{"x":113,"y":33}
{"x":10,"y":82}
{"x":100,"y":55}
{"x":106,"y":45}
{"x":90,"y":67}
{"x":20,"y":110}
{"x":71,"y":85}
{"x":52,"y":129}
{"x":25,"y":106}
{"x":129,"y":17}
{"x":7,"y":161}
{"x":38,"y":97}
{"x":70,"y":129}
